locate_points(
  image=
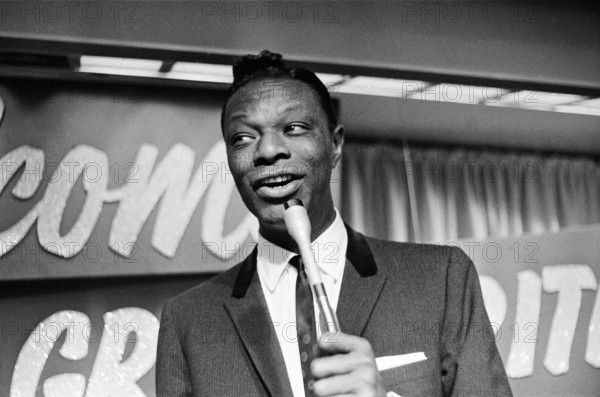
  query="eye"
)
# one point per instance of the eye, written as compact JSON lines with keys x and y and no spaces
{"x":296,"y":128}
{"x":241,"y":138}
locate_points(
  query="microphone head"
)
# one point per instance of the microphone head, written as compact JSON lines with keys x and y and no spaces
{"x":296,"y":221}
{"x":292,"y":202}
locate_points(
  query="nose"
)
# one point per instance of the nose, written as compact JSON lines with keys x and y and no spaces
{"x":270,"y":147}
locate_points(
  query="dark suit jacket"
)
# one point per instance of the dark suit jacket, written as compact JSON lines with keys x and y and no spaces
{"x":217,"y":339}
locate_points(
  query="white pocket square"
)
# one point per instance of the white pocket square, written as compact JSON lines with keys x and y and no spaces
{"x":389,"y":362}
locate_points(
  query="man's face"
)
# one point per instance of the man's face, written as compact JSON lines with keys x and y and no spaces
{"x":279,"y":147}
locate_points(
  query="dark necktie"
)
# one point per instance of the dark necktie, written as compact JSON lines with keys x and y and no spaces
{"x":305,"y":323}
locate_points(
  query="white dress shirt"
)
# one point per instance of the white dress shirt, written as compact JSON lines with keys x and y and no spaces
{"x":278,"y":282}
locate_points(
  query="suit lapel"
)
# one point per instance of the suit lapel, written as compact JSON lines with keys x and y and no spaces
{"x":249,"y":312}
{"x":361,"y":285}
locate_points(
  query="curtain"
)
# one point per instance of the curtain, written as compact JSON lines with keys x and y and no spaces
{"x":439,"y":194}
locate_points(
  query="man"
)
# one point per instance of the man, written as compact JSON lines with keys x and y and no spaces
{"x":231,"y":336}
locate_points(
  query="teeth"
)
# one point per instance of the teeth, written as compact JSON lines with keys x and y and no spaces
{"x":278,"y":179}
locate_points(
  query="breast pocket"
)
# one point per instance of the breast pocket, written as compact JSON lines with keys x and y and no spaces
{"x":417,"y":379}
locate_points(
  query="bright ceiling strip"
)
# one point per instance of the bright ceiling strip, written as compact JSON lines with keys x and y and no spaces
{"x":361,"y":85}
{"x":459,"y":93}
{"x":87,"y":61}
{"x":366,"y":85}
{"x":201,"y":72}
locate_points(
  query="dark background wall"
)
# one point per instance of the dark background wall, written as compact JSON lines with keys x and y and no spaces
{"x":524,"y":41}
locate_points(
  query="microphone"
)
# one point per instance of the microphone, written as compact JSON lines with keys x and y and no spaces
{"x":298,"y":226}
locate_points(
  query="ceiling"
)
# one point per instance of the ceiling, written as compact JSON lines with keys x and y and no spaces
{"x":544,"y":46}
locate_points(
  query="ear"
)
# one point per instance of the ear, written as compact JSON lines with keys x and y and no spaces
{"x":337,"y":137}
{"x":1,"y":109}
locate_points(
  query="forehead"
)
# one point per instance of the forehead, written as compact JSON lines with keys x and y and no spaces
{"x":273,"y":98}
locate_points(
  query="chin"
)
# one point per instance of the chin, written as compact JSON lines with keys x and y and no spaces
{"x":271,"y":216}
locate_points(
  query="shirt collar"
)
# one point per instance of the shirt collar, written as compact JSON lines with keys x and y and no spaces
{"x":329,"y":248}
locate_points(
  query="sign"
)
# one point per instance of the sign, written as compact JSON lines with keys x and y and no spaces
{"x":541,"y":294}
{"x":99,"y":181}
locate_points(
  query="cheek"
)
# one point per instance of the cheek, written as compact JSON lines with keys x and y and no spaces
{"x":237,"y":165}
{"x":322,"y":154}
{"x":321,"y":166}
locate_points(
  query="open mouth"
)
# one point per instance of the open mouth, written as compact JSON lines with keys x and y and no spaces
{"x":277,"y":186}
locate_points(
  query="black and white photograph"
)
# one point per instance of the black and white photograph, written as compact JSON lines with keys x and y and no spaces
{"x":299,"y":198}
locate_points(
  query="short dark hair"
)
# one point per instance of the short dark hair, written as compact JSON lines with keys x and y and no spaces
{"x":269,"y":65}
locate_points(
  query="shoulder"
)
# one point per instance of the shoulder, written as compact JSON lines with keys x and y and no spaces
{"x":420,"y":253}
{"x":205,"y":298}
{"x":434,"y":261}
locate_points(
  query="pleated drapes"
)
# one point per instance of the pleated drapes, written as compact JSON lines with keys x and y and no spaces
{"x":438,"y":194}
